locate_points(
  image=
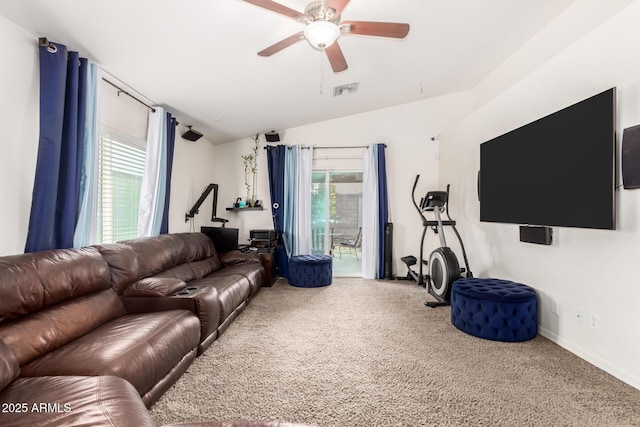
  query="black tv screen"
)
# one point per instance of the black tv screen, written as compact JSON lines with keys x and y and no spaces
{"x":224,"y":239}
{"x":556,"y":171}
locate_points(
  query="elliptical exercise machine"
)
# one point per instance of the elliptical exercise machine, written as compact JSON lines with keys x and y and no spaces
{"x":443,"y":265}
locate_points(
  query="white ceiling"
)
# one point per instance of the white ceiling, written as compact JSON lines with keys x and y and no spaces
{"x":198,"y":57}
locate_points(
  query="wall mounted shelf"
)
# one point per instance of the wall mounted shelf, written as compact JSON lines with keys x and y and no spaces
{"x":246,"y":209}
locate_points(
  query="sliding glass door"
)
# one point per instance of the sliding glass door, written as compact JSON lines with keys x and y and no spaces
{"x":336,"y":218}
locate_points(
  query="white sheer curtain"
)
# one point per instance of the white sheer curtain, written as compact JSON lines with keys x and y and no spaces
{"x":289,"y":205}
{"x":302,"y":223}
{"x":375,"y":207}
{"x":297,"y":200}
{"x":153,"y":189}
{"x":86,"y":227}
{"x":370,"y":226}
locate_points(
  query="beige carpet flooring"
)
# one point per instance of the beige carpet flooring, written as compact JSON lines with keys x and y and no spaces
{"x":369,"y":353}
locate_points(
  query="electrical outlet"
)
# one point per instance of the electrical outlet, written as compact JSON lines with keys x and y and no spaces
{"x":579,"y":316}
{"x":554,"y":306}
{"x":594,"y":321}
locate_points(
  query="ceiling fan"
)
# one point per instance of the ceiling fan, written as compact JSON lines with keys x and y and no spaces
{"x":324,"y":27}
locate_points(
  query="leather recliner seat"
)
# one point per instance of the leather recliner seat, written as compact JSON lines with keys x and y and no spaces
{"x":75,"y":401}
{"x":66,"y":401}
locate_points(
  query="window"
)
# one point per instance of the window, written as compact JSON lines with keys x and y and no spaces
{"x":120,"y":169}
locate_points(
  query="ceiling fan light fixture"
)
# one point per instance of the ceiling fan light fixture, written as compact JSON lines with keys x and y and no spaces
{"x":321,"y":34}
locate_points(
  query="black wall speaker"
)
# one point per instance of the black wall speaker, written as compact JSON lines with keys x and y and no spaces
{"x":191,"y":135}
{"x":631,"y":157}
{"x":272,"y":136}
{"x":539,"y":235}
{"x":388,"y":250}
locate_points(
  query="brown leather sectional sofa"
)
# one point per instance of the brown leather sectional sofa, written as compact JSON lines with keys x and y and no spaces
{"x":184,"y":271}
{"x":91,"y":336}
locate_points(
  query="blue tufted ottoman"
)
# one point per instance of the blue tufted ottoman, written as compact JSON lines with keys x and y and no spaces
{"x":494,"y":309}
{"x":310,"y":271}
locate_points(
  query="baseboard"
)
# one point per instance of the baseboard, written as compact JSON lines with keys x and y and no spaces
{"x":621,"y":374}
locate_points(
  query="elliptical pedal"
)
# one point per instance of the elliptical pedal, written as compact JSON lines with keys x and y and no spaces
{"x":409,"y":260}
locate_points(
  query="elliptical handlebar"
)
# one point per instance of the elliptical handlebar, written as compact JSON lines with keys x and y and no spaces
{"x":413,"y":198}
{"x":447,"y":204}
{"x":413,"y":193}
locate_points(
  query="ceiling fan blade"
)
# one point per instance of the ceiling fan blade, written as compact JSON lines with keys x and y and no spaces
{"x":276,"y":7}
{"x":337,"y":5}
{"x":336,"y":58}
{"x":378,"y":29}
{"x":277,"y":47}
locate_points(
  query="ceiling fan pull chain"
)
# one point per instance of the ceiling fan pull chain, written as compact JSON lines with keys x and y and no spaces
{"x":321,"y":73}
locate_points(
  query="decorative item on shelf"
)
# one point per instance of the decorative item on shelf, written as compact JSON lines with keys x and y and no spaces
{"x":251,"y":170}
{"x":246,"y":205}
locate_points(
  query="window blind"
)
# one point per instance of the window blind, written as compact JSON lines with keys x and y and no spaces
{"x":120,"y":169}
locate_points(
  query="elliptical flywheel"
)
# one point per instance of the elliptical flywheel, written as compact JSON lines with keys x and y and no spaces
{"x":443,"y":271}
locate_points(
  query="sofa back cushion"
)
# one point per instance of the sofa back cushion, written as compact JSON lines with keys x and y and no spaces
{"x":198,"y":245}
{"x":164,"y":256}
{"x":9,"y":367}
{"x":156,"y":254}
{"x":123,"y":263}
{"x":31,"y":282}
{"x":52,"y":297}
{"x":169,"y":255}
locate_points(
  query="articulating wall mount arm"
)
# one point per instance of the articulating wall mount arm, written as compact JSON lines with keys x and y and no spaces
{"x":194,"y":210}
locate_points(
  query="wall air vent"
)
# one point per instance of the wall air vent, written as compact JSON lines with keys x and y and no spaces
{"x":345,"y":89}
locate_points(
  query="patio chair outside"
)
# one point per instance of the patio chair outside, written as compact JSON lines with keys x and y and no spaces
{"x":352,"y":244}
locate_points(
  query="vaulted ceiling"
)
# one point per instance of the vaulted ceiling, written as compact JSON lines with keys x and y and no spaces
{"x":199,"y":57}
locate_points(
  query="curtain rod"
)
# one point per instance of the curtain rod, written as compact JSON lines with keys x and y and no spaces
{"x":336,"y":158}
{"x":120,"y":90}
{"x":325,"y":147}
{"x":43,"y":41}
{"x":351,"y":146}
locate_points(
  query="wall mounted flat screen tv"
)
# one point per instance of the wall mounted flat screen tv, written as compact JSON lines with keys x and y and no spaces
{"x":556,"y":171}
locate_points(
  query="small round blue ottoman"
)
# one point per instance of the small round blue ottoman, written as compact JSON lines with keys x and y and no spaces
{"x":494,"y":309}
{"x":310,"y":271}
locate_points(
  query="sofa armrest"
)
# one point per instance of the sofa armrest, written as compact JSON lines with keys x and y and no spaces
{"x":154,"y":287}
{"x":237,"y":257}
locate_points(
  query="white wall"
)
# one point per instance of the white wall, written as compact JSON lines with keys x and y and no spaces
{"x":193,"y":170}
{"x":591,"y":270}
{"x":19,"y":108}
{"x":228,"y":173}
{"x":406,"y":130}
{"x":19,"y":95}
